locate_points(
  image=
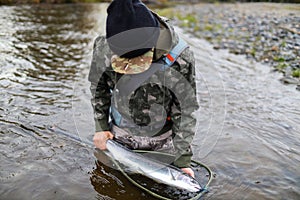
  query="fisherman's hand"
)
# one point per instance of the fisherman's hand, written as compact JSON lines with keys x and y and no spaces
{"x":100,"y":139}
{"x":189,"y":171}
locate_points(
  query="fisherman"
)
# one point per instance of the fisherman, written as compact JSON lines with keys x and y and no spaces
{"x":134,"y":103}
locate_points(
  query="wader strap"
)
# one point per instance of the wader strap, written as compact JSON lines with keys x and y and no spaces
{"x":158,"y":143}
{"x":136,"y":80}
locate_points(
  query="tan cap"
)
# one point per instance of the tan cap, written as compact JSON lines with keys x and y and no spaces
{"x":134,"y":65}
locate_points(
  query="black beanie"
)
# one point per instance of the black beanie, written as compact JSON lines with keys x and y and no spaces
{"x":131,"y":28}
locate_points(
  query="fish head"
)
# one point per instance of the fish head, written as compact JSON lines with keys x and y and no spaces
{"x":191,"y":184}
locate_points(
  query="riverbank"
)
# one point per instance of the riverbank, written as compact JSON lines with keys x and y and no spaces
{"x":265,"y":32}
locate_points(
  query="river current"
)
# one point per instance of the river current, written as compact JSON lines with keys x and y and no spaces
{"x":248,"y":128}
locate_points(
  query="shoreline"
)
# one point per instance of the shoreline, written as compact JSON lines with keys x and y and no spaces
{"x":268,"y":33}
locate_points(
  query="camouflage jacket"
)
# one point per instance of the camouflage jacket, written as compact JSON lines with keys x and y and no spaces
{"x":173,"y":90}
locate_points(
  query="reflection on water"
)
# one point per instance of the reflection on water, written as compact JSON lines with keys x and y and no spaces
{"x":45,"y":52}
{"x":257,"y":154}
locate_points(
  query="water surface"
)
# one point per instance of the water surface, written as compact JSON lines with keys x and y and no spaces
{"x":248,"y":125}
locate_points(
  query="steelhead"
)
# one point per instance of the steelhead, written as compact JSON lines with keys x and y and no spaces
{"x":153,"y":169}
{"x":139,"y":164}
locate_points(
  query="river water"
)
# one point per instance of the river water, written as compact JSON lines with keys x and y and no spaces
{"x":248,"y":127}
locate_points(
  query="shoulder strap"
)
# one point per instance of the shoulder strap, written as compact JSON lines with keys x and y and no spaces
{"x":137,"y":79}
{"x":172,"y":56}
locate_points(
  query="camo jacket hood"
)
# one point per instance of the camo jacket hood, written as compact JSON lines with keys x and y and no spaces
{"x":172,"y":92}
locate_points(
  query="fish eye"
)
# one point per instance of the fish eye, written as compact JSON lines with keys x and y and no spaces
{"x":194,"y":182}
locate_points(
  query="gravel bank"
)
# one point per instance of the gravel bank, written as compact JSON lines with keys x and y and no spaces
{"x":264,"y":32}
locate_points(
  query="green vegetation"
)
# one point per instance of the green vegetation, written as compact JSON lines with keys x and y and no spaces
{"x":253,"y":52}
{"x":283,"y":43}
{"x":278,"y":59}
{"x":188,"y":20}
{"x":208,"y":27}
{"x":166,"y":12}
{"x":280,"y":67}
{"x":296,"y":73}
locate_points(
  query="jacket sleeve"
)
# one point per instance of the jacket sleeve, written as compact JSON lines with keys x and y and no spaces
{"x":184,"y":120}
{"x":100,"y":89}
